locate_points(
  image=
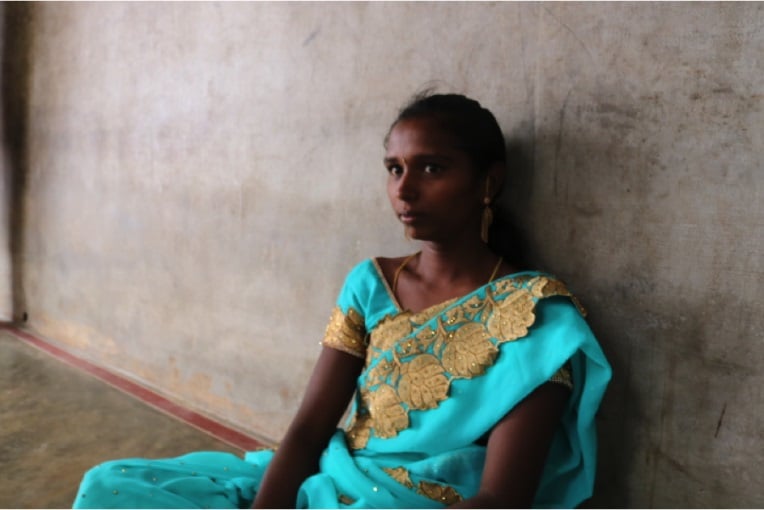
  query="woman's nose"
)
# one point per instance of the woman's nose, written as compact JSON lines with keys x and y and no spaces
{"x":407,"y":186}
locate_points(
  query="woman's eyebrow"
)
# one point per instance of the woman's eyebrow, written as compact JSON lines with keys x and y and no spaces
{"x":417,"y":157}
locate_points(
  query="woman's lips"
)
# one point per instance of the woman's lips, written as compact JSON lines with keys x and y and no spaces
{"x":409,"y":217}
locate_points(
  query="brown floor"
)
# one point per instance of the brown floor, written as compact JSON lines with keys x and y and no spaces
{"x":56,"y":422}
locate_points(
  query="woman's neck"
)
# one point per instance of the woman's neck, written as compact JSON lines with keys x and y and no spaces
{"x":455,"y":262}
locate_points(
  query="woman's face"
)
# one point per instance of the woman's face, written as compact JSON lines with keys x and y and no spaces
{"x":433,"y":186}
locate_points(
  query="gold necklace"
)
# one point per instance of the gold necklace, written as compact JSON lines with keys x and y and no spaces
{"x":496,"y":269}
{"x":400,"y":268}
{"x":397,"y":273}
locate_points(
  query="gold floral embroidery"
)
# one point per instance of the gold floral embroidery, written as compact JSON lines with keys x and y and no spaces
{"x":536,"y":286}
{"x":469,"y":352}
{"x":548,"y":288}
{"x":473,"y":304}
{"x":442,"y":493}
{"x":345,"y":500}
{"x":512,"y":284}
{"x":357,"y":434}
{"x":346,"y":332}
{"x":387,"y":413}
{"x":390,"y":330}
{"x":579,"y":306}
{"x":455,"y":315}
{"x":426,"y":337}
{"x":420,"y":318}
{"x":512,"y":317}
{"x":383,"y":371}
{"x":400,"y":475}
{"x":563,"y":376}
{"x":554,"y":288}
{"x":414,"y":371}
{"x":504,"y":286}
{"x":422,"y":384}
{"x":410,"y":347}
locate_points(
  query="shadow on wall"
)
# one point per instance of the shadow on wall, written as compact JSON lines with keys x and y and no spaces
{"x":616,"y":433}
{"x":506,"y":236}
{"x":16,"y":73}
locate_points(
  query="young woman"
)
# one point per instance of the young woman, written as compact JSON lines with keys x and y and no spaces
{"x":474,"y":383}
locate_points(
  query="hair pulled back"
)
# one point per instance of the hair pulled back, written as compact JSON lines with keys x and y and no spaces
{"x":474,"y":127}
{"x":478,"y":134}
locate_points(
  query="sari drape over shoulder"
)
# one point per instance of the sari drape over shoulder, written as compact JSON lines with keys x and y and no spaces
{"x":434,"y":383}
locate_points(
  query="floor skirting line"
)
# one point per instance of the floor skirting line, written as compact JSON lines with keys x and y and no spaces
{"x":151,"y":398}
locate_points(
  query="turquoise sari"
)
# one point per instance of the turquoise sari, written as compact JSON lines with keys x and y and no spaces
{"x":433,"y":386}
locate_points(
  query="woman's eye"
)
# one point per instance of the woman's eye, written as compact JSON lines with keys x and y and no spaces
{"x":432,"y":169}
{"x":395,"y":170}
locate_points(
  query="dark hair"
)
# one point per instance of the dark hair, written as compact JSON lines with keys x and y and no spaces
{"x":474,"y":127}
{"x":478,"y":133}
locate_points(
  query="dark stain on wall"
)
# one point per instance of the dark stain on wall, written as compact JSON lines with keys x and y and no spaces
{"x":16,"y":73}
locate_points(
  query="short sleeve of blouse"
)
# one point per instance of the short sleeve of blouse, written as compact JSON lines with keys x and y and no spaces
{"x":346,"y":330}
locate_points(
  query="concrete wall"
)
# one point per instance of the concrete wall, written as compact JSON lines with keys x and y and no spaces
{"x":201,"y":177}
{"x":13,"y":59}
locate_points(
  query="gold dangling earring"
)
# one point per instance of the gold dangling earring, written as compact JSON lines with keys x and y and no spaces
{"x":487,"y":219}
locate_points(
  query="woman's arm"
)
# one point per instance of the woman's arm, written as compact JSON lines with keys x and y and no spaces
{"x":326,"y":398}
{"x":517,"y":450}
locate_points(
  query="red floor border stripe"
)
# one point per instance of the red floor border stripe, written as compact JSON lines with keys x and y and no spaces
{"x":153,"y":399}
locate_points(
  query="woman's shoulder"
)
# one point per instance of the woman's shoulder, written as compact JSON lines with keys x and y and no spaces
{"x":366,"y":276}
{"x":367,"y":292}
{"x":363,"y":269}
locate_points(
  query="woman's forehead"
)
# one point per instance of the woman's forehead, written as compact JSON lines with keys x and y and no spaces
{"x":420,"y":134}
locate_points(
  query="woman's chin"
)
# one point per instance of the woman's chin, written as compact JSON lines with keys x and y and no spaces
{"x":420,"y":235}
{"x":413,"y":234}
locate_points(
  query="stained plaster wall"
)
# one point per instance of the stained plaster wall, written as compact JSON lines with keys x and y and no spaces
{"x":201,"y":177}
{"x":11,"y":153}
